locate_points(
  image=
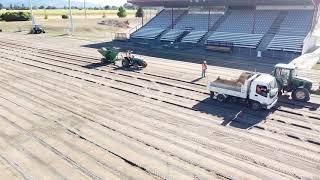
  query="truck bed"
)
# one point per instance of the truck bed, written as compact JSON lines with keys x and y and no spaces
{"x":234,"y":85}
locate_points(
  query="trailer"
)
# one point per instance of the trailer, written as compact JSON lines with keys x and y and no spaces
{"x":255,"y":89}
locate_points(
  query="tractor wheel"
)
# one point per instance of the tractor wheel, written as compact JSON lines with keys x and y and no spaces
{"x":143,"y":64}
{"x":256,"y":106}
{"x":301,"y":94}
{"x":103,"y":60}
{"x":221,"y":98}
{"x":125,"y":63}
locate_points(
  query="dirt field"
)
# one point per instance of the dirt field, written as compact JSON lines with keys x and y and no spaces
{"x":91,"y":28}
{"x":64,"y":115}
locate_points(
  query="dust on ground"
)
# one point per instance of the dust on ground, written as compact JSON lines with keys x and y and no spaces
{"x":116,"y":23}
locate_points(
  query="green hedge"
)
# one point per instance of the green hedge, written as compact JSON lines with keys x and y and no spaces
{"x":16,"y":16}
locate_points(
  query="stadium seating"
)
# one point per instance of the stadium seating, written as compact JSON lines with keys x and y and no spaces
{"x":245,"y":40}
{"x":194,"y":37}
{"x":196,"y":21}
{"x":164,"y":19}
{"x":172,"y":35}
{"x":157,"y":25}
{"x":292,"y":31}
{"x":235,"y":29}
{"x":238,"y":27}
{"x":147,"y":33}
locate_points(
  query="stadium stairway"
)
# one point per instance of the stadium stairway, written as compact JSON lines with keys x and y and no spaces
{"x":215,"y":27}
{"x":172,"y":25}
{"x":275,"y":27}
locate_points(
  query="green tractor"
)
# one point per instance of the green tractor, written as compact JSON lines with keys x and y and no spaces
{"x":37,"y":29}
{"x":111,"y":55}
{"x":288,"y":81}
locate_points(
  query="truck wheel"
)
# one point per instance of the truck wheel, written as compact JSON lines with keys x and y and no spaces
{"x":301,"y":94}
{"x":211,"y":95}
{"x":256,"y":106}
{"x":125,"y":63}
{"x":221,"y":98}
{"x":233,"y":100}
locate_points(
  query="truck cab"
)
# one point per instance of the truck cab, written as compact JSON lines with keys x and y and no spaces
{"x":257,"y":90}
{"x":263,"y":92}
{"x":289,"y":81}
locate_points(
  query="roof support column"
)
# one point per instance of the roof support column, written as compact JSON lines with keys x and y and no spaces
{"x":209,"y":19}
{"x":171,"y":18}
{"x":254,"y":17}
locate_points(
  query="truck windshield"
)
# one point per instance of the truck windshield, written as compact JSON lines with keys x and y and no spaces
{"x":273,"y":85}
{"x":294,"y":73}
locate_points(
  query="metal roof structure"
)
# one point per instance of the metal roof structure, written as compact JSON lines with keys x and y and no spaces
{"x":186,"y":3}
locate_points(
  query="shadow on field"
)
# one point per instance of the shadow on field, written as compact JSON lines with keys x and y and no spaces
{"x":195,"y":55}
{"x":115,"y":67}
{"x":96,"y":65}
{"x":235,"y":115}
{"x":286,"y":101}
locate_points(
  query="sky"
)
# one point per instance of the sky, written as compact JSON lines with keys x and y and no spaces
{"x":106,"y":2}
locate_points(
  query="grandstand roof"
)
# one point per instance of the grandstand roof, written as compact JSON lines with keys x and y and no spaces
{"x":185,"y":3}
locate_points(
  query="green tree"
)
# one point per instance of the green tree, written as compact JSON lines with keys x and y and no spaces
{"x":122,"y":12}
{"x":107,"y":7}
{"x":1,"y":6}
{"x":16,"y":16}
{"x":139,"y":12}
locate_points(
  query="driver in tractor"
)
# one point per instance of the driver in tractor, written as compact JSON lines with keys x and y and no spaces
{"x":284,"y":78}
{"x":130,"y":55}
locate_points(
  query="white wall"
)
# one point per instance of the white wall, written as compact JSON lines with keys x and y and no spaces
{"x":285,"y":7}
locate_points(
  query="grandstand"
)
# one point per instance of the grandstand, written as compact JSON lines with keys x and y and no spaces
{"x":292,"y":31}
{"x":265,"y":26}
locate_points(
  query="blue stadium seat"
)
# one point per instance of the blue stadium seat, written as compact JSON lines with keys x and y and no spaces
{"x":293,"y":31}
{"x":147,"y":33}
{"x":157,"y":25}
{"x":194,"y":37}
{"x":238,"y":27}
{"x":197,"y":21}
{"x":245,"y":40}
{"x":172,"y":35}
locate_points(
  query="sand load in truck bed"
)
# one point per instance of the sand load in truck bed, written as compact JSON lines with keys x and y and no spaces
{"x":234,"y":84}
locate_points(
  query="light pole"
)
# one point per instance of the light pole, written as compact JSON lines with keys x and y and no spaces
{"x":31,"y":12}
{"x":85,"y":9}
{"x":71,"y":19}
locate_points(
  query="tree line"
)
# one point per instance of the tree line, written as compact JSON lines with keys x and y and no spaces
{"x":24,"y":16}
{"x":24,"y":7}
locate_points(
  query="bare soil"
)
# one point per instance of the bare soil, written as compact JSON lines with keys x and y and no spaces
{"x":64,"y":115}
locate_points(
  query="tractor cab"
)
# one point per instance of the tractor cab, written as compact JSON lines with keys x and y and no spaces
{"x":284,"y":74}
{"x":37,"y":29}
{"x":289,"y":81}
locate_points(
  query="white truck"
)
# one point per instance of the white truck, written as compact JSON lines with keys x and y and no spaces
{"x":255,"y":89}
